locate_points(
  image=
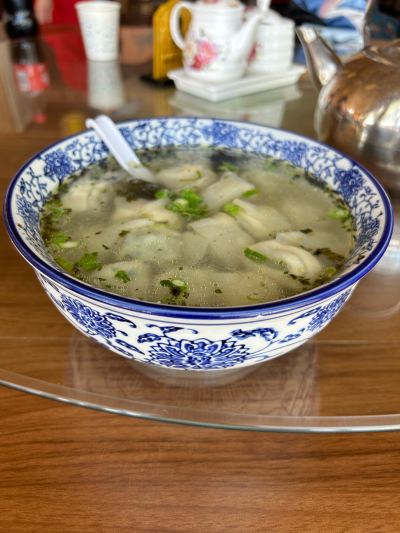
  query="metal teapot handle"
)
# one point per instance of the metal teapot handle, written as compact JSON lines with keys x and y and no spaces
{"x":367,"y":23}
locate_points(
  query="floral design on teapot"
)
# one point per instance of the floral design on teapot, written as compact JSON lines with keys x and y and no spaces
{"x":200,"y":54}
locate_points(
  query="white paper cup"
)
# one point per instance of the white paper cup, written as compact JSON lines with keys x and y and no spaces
{"x":99,"y":22}
{"x":106,"y":90}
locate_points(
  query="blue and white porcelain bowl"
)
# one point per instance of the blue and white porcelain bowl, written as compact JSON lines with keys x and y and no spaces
{"x":198,"y":338}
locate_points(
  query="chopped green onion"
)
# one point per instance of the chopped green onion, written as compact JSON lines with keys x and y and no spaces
{"x":250,"y":193}
{"x":58,"y":211}
{"x":105,"y":247}
{"x":64,"y":264}
{"x":218,"y":291}
{"x":339,"y":213}
{"x":69,"y":244}
{"x":227,"y":166}
{"x":255,"y":256}
{"x":164,"y":193}
{"x":59,"y":237}
{"x":308,"y":230}
{"x":330,"y":270}
{"x":231,"y":208}
{"x":124,"y":232}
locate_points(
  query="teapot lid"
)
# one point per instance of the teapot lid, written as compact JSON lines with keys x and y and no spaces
{"x":388,"y":54}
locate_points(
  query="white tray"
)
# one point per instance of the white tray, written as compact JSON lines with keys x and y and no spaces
{"x":250,"y":84}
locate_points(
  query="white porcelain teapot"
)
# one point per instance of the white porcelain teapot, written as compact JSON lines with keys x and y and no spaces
{"x":218,"y":42}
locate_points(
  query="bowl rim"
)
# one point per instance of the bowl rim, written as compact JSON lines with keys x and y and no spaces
{"x":206,"y":313}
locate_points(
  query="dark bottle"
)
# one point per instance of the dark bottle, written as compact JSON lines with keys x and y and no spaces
{"x":20,"y":18}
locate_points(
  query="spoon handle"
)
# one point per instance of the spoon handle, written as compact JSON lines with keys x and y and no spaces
{"x":120,"y":149}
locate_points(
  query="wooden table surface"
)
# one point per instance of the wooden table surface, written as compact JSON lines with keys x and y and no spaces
{"x":69,"y":469}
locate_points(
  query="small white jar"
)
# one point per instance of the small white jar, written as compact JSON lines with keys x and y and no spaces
{"x":274,"y":47}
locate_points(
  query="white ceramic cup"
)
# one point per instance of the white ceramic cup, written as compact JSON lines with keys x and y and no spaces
{"x":99,"y":22}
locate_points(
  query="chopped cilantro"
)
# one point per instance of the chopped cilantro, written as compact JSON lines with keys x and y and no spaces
{"x":124,"y":232}
{"x":286,"y":272}
{"x":105,"y":247}
{"x":98,"y":233}
{"x":180,"y":268}
{"x":255,"y":256}
{"x":339,"y":213}
{"x":250,"y":193}
{"x":121,"y":274}
{"x":64,"y":264}
{"x":63,"y":188}
{"x":270,"y":165}
{"x":89,"y":261}
{"x":102,"y":279}
{"x":218,"y":291}
{"x":108,"y":286}
{"x":227,"y":166}
{"x":231,"y":208}
{"x":308,"y":230}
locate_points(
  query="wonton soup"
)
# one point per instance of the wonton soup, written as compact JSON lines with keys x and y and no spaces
{"x":216,"y":228}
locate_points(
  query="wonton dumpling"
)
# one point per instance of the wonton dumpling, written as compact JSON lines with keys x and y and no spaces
{"x":315,"y":240}
{"x":194,"y":248}
{"x":260,"y":221}
{"x":88,"y":196}
{"x":77,"y":197}
{"x":298,"y":261}
{"x":227,"y":188}
{"x":226,"y":241}
{"x":195,"y":177}
{"x":111,"y":235}
{"x":137,"y":271}
{"x":124,"y":210}
{"x":305,"y":212}
{"x":264,"y":180}
{"x":155,"y":210}
{"x":152,"y":244}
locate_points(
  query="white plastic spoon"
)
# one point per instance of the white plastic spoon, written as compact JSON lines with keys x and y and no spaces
{"x":120,"y":149}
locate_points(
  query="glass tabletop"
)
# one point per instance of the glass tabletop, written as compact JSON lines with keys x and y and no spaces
{"x":345,"y":379}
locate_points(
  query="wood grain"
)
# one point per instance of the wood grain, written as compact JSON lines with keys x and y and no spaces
{"x":65,"y":468}
{"x":69,"y":469}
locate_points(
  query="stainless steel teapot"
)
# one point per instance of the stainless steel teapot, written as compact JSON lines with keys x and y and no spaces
{"x":358,"y":108}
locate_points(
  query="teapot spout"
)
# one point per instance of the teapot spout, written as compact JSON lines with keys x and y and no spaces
{"x":244,"y":39}
{"x":322,"y":62}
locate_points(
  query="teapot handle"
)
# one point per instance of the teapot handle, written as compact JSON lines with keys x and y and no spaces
{"x":174,"y":22}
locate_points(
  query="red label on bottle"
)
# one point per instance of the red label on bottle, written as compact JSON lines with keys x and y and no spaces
{"x":31,"y":78}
